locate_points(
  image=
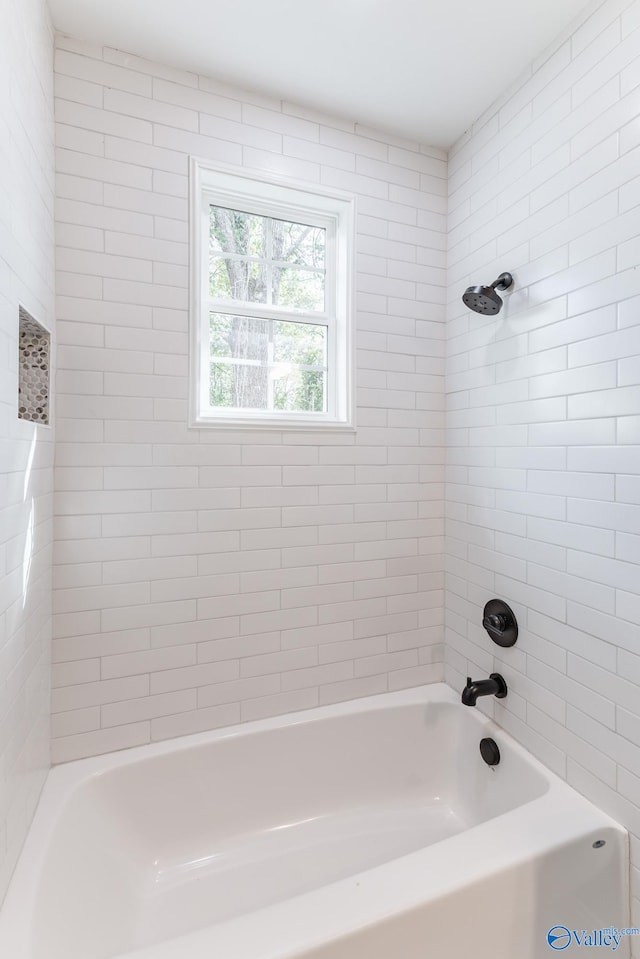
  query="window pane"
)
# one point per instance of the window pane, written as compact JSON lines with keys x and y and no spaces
{"x":231,"y":231}
{"x":297,"y":243}
{"x":238,"y":280}
{"x":239,"y":337}
{"x":219,"y":280}
{"x":221,"y":385}
{"x":299,"y":390}
{"x":298,"y":289}
{"x":239,"y":386}
{"x":299,"y":343}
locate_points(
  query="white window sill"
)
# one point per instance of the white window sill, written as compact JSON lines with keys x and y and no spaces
{"x":258,"y":423}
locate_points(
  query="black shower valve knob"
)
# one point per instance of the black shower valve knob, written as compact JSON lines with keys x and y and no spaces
{"x":500,"y":622}
{"x":495,"y":623}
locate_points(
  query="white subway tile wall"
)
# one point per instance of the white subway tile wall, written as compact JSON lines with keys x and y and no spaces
{"x":543,"y":504}
{"x":26,"y":449}
{"x":205,"y":577}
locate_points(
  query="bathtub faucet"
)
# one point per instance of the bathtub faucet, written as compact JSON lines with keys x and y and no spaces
{"x":494,"y":686}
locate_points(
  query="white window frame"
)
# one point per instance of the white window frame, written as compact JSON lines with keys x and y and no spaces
{"x":281,"y":198}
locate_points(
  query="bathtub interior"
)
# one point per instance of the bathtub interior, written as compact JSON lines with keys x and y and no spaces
{"x":155,"y":848}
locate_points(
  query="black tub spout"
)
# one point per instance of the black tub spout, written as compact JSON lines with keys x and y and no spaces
{"x":494,"y":686}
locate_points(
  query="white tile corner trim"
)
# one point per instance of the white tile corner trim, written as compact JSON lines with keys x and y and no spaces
{"x":543,"y":505}
{"x":205,"y":577}
{"x":26,"y":448}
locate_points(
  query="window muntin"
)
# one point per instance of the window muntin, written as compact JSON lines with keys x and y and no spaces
{"x":270,"y":318}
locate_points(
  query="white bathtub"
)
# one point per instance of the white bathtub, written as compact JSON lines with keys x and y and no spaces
{"x":367,"y":830}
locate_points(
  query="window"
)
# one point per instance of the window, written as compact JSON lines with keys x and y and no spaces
{"x":270,"y":302}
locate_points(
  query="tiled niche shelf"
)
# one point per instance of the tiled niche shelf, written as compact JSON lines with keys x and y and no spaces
{"x":34,"y":366}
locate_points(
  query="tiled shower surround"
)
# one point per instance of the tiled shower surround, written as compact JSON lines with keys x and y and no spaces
{"x":26,"y":449}
{"x":207,"y":576}
{"x":543,"y":492}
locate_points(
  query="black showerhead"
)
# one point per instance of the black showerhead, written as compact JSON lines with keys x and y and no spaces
{"x":484,"y":299}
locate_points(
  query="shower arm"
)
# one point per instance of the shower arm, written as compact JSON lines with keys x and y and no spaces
{"x":504,"y":281}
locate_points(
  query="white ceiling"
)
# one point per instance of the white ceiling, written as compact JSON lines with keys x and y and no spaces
{"x":425,"y":69}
